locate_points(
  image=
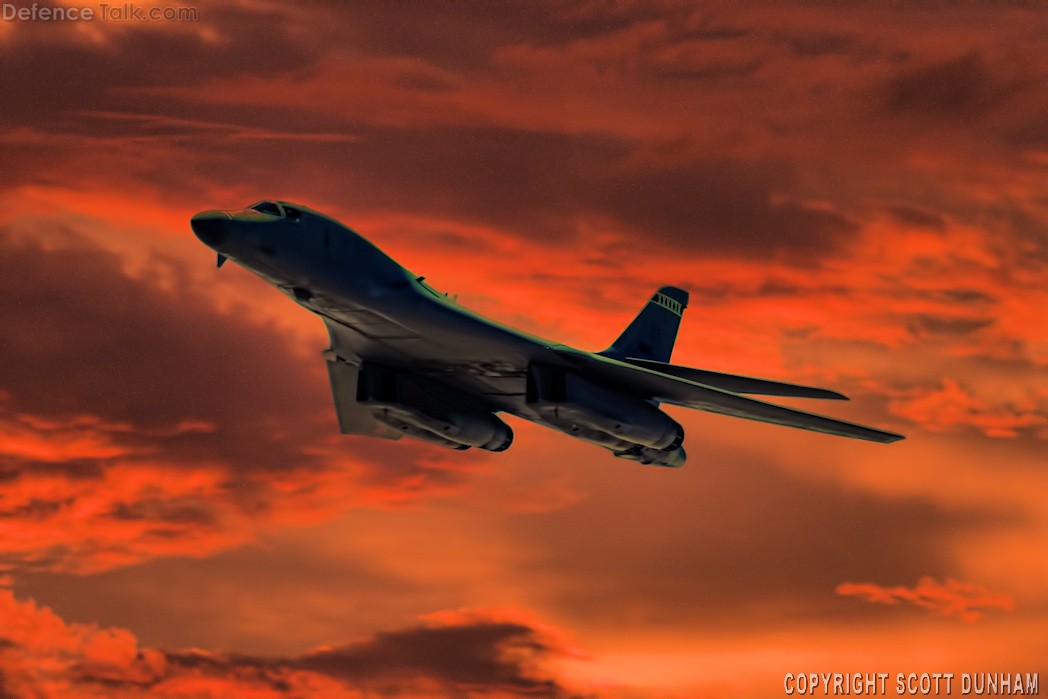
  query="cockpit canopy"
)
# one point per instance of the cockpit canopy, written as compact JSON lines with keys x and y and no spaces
{"x":277,"y":209}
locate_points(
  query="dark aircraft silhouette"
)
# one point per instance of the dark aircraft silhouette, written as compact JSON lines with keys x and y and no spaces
{"x":406,"y":359}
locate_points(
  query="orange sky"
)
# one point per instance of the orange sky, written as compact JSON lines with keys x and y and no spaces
{"x":854,"y":198}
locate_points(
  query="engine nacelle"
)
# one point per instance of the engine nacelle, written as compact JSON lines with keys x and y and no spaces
{"x":568,"y":401}
{"x":674,"y":458}
{"x":390,"y":418}
{"x":430,"y":411}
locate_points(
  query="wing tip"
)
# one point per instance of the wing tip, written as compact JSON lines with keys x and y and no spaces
{"x":887,"y":437}
{"x":827,"y":394}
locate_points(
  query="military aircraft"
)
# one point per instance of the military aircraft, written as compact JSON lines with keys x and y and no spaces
{"x":406,"y":359}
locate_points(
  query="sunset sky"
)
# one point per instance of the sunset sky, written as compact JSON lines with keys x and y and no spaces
{"x":855,"y":198}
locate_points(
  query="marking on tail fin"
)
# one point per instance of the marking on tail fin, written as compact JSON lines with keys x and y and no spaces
{"x":669,"y":304}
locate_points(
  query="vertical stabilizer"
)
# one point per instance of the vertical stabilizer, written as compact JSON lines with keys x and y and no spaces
{"x":652,"y":333}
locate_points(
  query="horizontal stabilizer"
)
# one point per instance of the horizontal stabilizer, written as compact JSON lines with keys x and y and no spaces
{"x":735,"y":383}
{"x":677,"y":391}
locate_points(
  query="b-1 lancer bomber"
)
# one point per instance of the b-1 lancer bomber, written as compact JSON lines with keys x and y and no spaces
{"x":406,"y":359}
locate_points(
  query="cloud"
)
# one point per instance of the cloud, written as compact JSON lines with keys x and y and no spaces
{"x":956,"y":88}
{"x":694,"y":542}
{"x":720,"y":207}
{"x":924,"y":324}
{"x":917,"y":217}
{"x":487,"y":652}
{"x":158,"y":125}
{"x":966,"y":601}
{"x":949,"y":407}
{"x":58,"y":68}
{"x":408,"y":110}
{"x":478,"y":649}
{"x":137,"y":424}
{"x":521,"y":182}
{"x":42,"y":653}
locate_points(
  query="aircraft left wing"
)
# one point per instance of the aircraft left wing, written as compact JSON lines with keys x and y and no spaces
{"x":679,"y":391}
{"x":353,"y":418}
{"x":344,"y":372}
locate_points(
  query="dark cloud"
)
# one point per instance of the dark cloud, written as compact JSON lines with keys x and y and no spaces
{"x":821,"y":43}
{"x":465,"y":35}
{"x":486,"y":656}
{"x":82,"y":337}
{"x":184,"y":511}
{"x":49,"y":77}
{"x":721,"y":206}
{"x":1029,"y":229}
{"x":957,"y":88}
{"x":1029,"y":132}
{"x":918,"y":217}
{"x":964,"y":296}
{"x":924,"y":324}
{"x":701,"y":72}
{"x":526,"y":181}
{"x":710,"y":31}
{"x":459,"y":657}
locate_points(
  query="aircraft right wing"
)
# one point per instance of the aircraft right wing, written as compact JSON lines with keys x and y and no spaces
{"x":678,"y":391}
{"x":736,"y":383}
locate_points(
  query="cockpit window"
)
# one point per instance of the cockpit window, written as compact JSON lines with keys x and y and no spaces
{"x":267,"y":207}
{"x":292,"y":213}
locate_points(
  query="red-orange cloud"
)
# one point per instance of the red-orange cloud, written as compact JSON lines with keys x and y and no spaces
{"x":951,"y":406}
{"x":79,"y":498}
{"x":966,"y":601}
{"x":488,"y":652}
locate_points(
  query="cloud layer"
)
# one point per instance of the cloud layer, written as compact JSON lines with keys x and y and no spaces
{"x":854,"y":199}
{"x":485,"y":652}
{"x":952,"y":598}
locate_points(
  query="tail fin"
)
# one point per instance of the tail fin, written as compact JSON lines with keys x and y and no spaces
{"x":652,"y":333}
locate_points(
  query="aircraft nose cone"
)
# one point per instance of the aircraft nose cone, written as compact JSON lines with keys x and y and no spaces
{"x":210,"y":227}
